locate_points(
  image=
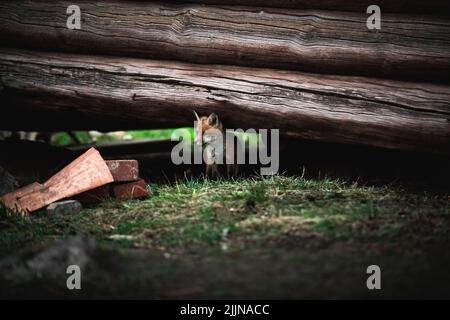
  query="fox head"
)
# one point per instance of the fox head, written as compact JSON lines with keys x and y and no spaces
{"x":206,"y":127}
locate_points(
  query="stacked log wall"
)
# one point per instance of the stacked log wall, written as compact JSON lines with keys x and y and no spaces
{"x":313,"y":73}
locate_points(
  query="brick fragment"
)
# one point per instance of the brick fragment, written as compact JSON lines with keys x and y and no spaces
{"x":124,"y":170}
{"x":130,"y":190}
{"x":86,"y":172}
{"x":95,"y":195}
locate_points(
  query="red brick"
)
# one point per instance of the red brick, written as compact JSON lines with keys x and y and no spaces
{"x":95,"y":195}
{"x":124,"y":170}
{"x":130,"y":190}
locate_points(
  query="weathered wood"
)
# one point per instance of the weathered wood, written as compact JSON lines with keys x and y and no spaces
{"x":87,"y":172}
{"x":409,"y":47}
{"x":440,"y":7}
{"x":119,"y":93}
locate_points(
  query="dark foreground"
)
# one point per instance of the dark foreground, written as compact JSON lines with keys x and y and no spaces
{"x":273,"y":238}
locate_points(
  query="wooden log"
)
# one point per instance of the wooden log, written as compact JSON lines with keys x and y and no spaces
{"x":85,"y":173}
{"x":131,"y":93}
{"x":439,"y":7}
{"x":406,"y":47}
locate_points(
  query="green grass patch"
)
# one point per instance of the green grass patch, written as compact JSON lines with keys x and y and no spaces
{"x":210,"y":213}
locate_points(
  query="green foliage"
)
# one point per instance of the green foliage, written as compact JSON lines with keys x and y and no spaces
{"x":158,"y":134}
{"x":63,"y":139}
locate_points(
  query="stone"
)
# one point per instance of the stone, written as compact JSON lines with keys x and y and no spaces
{"x":64,"y":207}
{"x":49,"y":263}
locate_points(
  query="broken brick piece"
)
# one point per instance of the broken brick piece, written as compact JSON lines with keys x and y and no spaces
{"x":124,"y":170}
{"x":87,"y":172}
{"x":64,"y":207}
{"x":11,"y":200}
{"x":95,"y":195}
{"x":22,"y":191}
{"x":130,"y":190}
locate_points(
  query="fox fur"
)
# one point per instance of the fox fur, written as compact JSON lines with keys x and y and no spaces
{"x":208,"y":129}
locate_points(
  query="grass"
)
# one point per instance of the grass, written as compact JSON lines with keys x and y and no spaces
{"x":236,"y":214}
{"x":264,"y":238}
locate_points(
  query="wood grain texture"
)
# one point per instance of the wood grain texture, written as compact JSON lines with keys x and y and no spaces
{"x":407,"y":46}
{"x":440,"y":7}
{"x":119,"y":93}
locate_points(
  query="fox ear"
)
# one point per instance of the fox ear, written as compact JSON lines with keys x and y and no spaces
{"x":196,"y":115}
{"x":213,"y":119}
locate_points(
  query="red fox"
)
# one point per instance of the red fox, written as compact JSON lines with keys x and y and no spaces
{"x":217,"y":153}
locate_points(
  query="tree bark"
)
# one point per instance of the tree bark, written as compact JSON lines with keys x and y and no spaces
{"x":60,"y":91}
{"x":406,"y":47}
